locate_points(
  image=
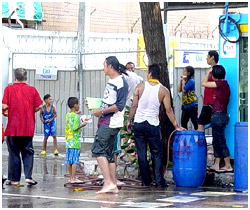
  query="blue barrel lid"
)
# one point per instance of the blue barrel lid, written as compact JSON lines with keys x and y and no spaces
{"x":241,"y":124}
{"x":190,"y":132}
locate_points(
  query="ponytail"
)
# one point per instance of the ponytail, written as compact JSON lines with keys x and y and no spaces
{"x":122,"y":69}
{"x":113,"y":61}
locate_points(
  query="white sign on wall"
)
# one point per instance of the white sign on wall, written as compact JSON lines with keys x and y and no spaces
{"x":46,"y":73}
{"x":197,"y":59}
{"x":227,"y":49}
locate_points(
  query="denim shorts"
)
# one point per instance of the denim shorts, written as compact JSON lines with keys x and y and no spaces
{"x":72,"y":156}
{"x":103,"y":145}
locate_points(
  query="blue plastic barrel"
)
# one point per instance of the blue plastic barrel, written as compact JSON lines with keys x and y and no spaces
{"x":189,"y":158}
{"x":241,"y":156}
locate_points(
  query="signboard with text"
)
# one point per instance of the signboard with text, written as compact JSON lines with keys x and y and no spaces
{"x":228,"y":49}
{"x":197,"y":59}
{"x":46,"y":73}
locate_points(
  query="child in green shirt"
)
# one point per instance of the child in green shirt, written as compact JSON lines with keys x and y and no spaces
{"x":72,"y":137}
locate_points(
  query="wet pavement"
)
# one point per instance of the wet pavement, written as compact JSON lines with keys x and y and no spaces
{"x":50,"y":192}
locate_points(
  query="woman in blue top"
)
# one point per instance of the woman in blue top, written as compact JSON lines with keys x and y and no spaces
{"x":189,"y":99}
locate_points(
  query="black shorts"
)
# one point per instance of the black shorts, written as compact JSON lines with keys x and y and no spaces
{"x":205,"y":115}
{"x":103,"y":145}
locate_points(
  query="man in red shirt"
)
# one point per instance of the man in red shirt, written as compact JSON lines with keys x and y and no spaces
{"x":21,"y":101}
{"x":206,"y":112}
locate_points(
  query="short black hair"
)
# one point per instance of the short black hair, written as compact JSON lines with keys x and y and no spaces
{"x":20,"y":74}
{"x":218,"y":72}
{"x":46,"y":96}
{"x":129,"y":63}
{"x":215,"y":54}
{"x":154,"y":69}
{"x":72,"y":101}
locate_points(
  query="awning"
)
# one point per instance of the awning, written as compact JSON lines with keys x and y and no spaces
{"x":26,"y":10}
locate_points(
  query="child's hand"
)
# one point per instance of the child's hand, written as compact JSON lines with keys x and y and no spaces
{"x":84,"y":124}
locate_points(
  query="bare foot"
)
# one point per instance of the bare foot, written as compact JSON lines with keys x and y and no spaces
{"x":76,"y":181}
{"x":108,"y":189}
{"x":119,"y":183}
{"x":215,"y":167}
{"x":114,"y":191}
{"x":226,"y":168}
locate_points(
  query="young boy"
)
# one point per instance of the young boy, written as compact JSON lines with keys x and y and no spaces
{"x":219,"y":118}
{"x":47,"y":116}
{"x":72,"y":137}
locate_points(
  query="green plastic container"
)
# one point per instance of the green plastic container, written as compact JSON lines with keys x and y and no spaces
{"x":94,"y":103}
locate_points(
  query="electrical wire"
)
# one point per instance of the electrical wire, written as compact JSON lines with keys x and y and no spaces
{"x":223,"y":35}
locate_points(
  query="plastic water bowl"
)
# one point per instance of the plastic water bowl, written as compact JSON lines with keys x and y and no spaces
{"x":94,"y":103}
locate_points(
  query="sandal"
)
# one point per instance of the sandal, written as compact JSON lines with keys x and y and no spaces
{"x":32,"y":182}
{"x":15,"y":183}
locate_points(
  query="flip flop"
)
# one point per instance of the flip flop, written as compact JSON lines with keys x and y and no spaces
{"x":8,"y":182}
{"x":32,"y":183}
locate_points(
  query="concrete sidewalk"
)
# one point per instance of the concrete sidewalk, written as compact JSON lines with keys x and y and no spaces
{"x":124,"y":168}
{"x":50,"y":192}
{"x":39,"y":138}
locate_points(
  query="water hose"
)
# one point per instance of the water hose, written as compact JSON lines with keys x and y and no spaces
{"x":168,"y":146}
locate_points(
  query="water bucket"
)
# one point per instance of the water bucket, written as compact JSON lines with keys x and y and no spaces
{"x":189,"y":158}
{"x":94,"y":103}
{"x":241,"y":156}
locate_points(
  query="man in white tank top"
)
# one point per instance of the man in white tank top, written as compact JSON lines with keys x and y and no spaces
{"x":147,"y":99}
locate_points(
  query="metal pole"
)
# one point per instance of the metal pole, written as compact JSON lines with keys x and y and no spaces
{"x":81,"y":46}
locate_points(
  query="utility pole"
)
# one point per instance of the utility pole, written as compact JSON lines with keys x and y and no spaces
{"x":81,"y":49}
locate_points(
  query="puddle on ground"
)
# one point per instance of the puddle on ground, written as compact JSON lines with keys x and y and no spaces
{"x":56,"y":166}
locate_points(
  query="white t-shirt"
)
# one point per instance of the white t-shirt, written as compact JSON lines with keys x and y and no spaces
{"x":116,"y":92}
{"x":133,"y":80}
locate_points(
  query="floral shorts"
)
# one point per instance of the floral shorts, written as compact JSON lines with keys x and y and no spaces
{"x":72,"y":156}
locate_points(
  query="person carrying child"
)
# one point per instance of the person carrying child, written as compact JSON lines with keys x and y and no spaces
{"x":72,"y":138}
{"x":47,"y":116}
{"x":189,"y":99}
{"x":219,"y":118}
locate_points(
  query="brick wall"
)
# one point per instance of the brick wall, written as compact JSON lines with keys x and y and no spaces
{"x":60,"y":16}
{"x":123,"y":17}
